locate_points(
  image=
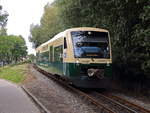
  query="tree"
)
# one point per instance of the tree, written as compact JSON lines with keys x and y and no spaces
{"x":3,"y":21}
{"x":35,"y":36}
{"x":50,"y":26}
{"x":141,"y":41}
{"x":12,"y":49}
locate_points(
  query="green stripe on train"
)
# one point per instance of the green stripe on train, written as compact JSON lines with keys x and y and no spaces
{"x":72,"y":69}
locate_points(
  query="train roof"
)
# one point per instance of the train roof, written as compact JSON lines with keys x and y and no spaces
{"x":86,"y":28}
{"x":51,"y":40}
{"x":69,"y":30}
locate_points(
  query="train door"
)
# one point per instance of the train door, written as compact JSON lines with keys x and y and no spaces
{"x":64,"y":56}
{"x":58,"y":59}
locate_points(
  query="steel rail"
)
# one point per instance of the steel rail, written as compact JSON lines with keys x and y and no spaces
{"x":117,"y":103}
{"x":124,"y":101}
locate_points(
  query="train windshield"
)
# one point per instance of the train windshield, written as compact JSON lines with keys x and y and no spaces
{"x":90,"y":44}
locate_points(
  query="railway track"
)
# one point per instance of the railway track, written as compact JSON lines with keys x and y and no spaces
{"x":113,"y":104}
{"x":105,"y":103}
{"x":125,"y":102}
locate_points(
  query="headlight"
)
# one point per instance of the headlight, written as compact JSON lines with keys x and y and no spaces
{"x":96,"y":72}
{"x":90,"y":72}
{"x":77,"y":61}
{"x":108,"y":64}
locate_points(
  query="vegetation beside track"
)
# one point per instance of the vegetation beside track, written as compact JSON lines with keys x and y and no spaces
{"x":14,"y":73}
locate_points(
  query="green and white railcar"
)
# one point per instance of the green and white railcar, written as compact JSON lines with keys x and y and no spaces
{"x":81,"y":55}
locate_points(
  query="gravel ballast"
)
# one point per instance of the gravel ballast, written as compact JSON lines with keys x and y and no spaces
{"x":56,"y":98}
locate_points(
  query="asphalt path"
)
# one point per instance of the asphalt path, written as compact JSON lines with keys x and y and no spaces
{"x":14,"y":100}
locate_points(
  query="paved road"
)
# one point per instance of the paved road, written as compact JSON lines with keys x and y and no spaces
{"x":14,"y":100}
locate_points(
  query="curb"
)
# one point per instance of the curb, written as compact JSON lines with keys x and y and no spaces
{"x":35,"y":100}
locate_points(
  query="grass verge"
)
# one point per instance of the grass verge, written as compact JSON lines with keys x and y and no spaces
{"x":15,"y":73}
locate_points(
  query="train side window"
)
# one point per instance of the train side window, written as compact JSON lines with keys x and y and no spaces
{"x":44,"y":56}
{"x":58,"y":53}
{"x":65,"y":43}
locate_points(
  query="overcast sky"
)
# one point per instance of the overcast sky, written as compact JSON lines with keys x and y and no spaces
{"x":22,"y":13}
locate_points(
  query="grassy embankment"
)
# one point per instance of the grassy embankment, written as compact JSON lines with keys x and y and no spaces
{"x":15,"y":73}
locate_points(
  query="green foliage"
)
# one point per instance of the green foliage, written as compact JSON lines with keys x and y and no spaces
{"x":127,"y":20}
{"x":141,"y":39}
{"x":35,"y":36}
{"x":12,"y":49}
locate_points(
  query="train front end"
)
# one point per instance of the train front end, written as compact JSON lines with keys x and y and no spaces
{"x":92,"y":59}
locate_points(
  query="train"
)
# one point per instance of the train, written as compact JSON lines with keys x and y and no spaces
{"x":82,"y":56}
